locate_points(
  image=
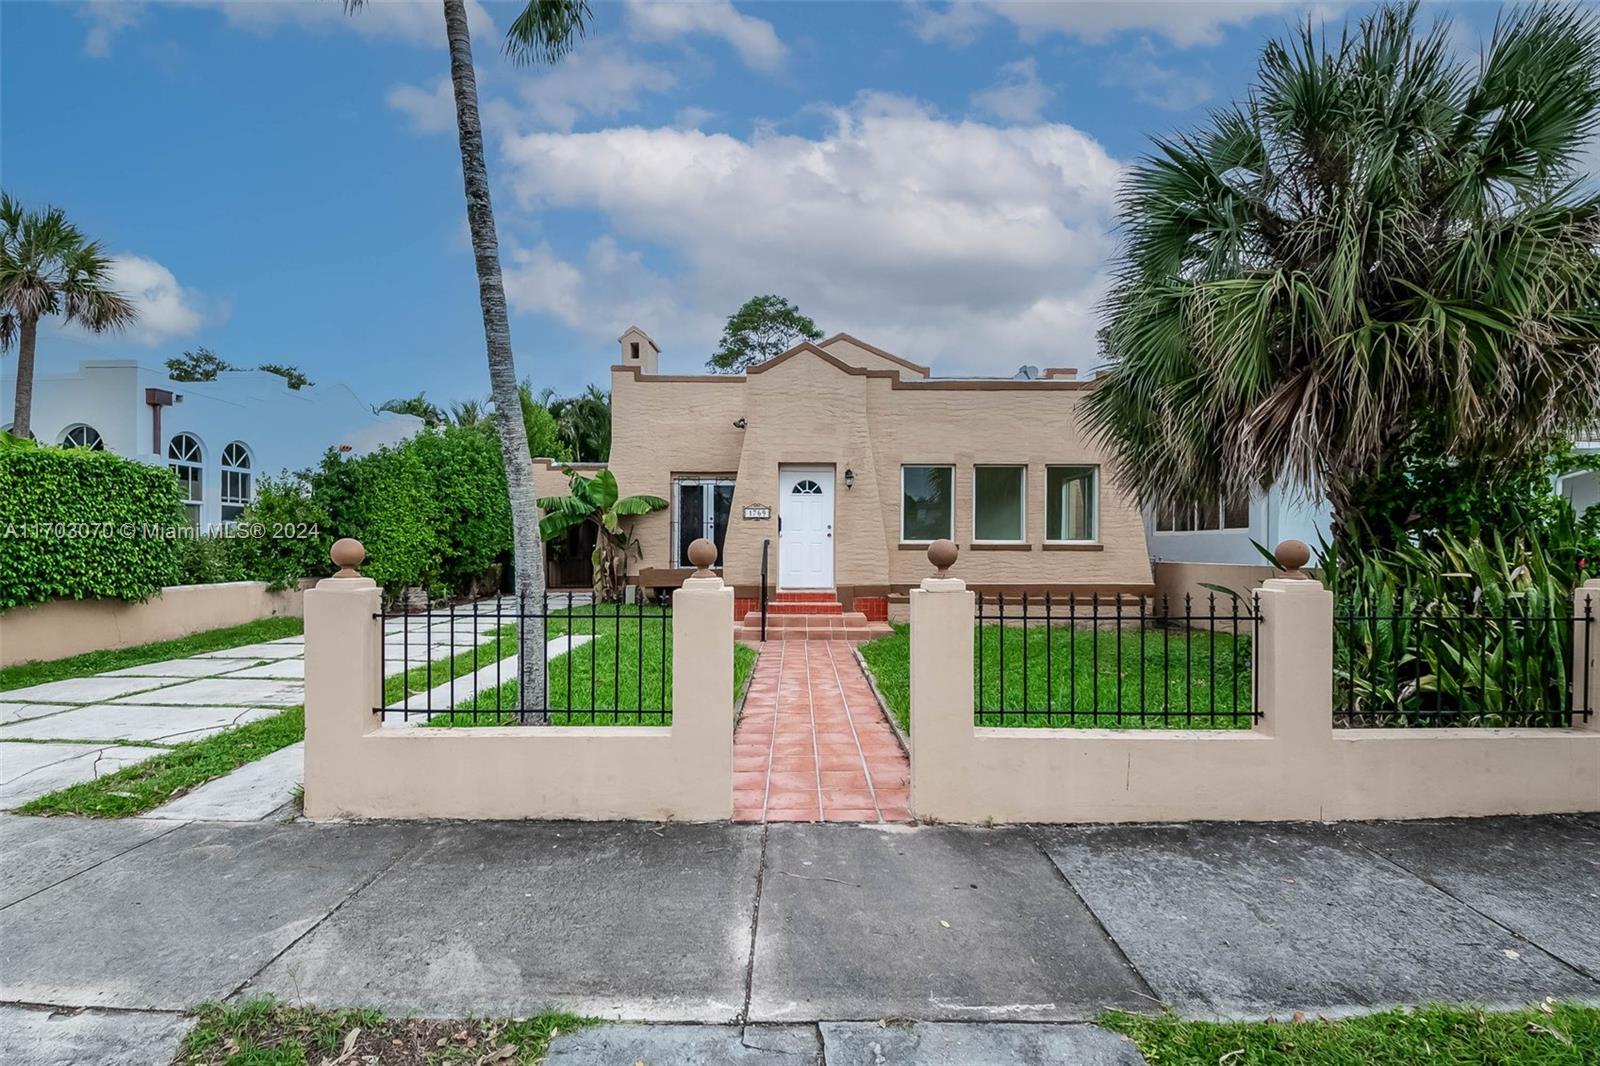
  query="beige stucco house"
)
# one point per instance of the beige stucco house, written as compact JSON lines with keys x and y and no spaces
{"x":847,"y":461}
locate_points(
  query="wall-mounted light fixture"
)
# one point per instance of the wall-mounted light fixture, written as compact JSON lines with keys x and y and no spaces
{"x":739,"y":423}
{"x":849,"y":478}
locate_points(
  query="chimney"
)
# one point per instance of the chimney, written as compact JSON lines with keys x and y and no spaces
{"x":638,"y":350}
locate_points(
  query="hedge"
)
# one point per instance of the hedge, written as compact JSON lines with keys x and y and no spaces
{"x":78,"y":523}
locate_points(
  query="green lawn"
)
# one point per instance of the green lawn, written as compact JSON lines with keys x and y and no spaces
{"x":1552,"y":1034}
{"x":98,"y":662}
{"x":1183,"y":678}
{"x":263,"y":1032}
{"x":629,"y":663}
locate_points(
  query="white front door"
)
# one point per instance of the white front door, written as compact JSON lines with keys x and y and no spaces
{"x":805,"y":527}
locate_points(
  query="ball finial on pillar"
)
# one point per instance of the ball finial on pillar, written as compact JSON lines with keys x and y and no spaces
{"x":1292,"y":556}
{"x":347,"y":554}
{"x":702,"y":553}
{"x":942,"y":554}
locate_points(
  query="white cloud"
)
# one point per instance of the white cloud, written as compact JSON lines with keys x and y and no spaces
{"x":693,"y":117}
{"x":431,"y":110}
{"x":418,"y":22}
{"x":1182,"y":22}
{"x":1154,"y":83}
{"x":976,"y":246}
{"x":663,"y":20}
{"x":166,"y":309}
{"x":106,"y":19}
{"x":1019,"y":95}
{"x":600,"y":79}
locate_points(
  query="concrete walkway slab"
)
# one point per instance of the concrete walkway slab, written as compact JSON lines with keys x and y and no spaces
{"x":1539,"y":877}
{"x":96,"y":689}
{"x":32,"y":1036}
{"x":702,"y":1045}
{"x":131,"y":721}
{"x":29,"y":770}
{"x":608,"y":919}
{"x":228,"y":691}
{"x":193,"y":667}
{"x":40,"y":852}
{"x":936,"y":922}
{"x":266,"y":650}
{"x":1243,"y":919}
{"x":288,"y":669}
{"x":956,"y":1044}
{"x":188,"y":917}
{"x":254,"y":791}
{"x":21,"y":712}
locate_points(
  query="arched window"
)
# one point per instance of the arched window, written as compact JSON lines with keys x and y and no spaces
{"x":184,"y":457}
{"x":82,"y":436}
{"x":806,"y":488}
{"x":237,"y":483}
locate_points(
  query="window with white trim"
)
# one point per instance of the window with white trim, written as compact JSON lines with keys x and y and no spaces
{"x":1072,"y":504}
{"x":1232,"y":513}
{"x":999,"y":507}
{"x":238,"y":483}
{"x":700,"y":508}
{"x":927,"y":503}
{"x":82,"y":436}
{"x":185,"y":459}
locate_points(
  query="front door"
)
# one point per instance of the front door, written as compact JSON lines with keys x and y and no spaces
{"x":805,"y":527}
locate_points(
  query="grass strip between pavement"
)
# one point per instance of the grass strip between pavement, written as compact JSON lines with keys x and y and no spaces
{"x":1549,"y":1034}
{"x":90,"y":663}
{"x":263,"y":1032}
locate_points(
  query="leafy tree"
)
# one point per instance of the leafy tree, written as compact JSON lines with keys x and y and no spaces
{"x":418,"y":405}
{"x":545,"y":30}
{"x":1383,"y":254}
{"x":467,"y":413}
{"x":765,"y":327}
{"x":202,"y":364}
{"x":48,"y":267}
{"x":584,"y":422}
{"x":544,"y":434}
{"x":292,"y":374}
{"x":596,"y":500}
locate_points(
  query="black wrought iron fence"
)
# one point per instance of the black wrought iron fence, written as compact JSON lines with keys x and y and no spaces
{"x":589,"y":663}
{"x":1432,"y":662}
{"x":1116,"y":661}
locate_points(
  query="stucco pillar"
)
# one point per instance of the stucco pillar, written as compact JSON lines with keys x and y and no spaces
{"x":1294,"y":655}
{"x":942,"y":611}
{"x":343,"y":637}
{"x":1586,"y":654}
{"x":702,"y":689}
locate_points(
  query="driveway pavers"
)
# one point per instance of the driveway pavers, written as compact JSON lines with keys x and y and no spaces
{"x":29,"y":770}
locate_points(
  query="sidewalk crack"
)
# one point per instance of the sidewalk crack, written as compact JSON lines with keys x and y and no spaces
{"x":755,"y":922}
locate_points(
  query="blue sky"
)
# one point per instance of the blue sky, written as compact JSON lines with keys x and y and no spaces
{"x":280,"y":180}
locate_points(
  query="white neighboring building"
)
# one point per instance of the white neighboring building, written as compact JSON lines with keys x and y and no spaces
{"x":217,"y":436}
{"x":1226,"y":534}
{"x":1582,"y":487}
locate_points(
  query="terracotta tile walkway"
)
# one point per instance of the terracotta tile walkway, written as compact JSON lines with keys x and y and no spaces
{"x":812,"y":745}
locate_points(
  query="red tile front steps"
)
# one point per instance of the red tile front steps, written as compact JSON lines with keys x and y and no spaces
{"x":808,"y":616}
{"x":812,"y":744}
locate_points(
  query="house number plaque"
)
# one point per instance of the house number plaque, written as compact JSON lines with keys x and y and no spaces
{"x":756,"y":511}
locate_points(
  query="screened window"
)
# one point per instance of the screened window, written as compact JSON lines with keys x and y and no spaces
{"x":184,"y":457}
{"x":237,"y":482}
{"x":701,"y":507}
{"x":998,"y":508}
{"x":1072,"y":503}
{"x":82,"y":436}
{"x":1232,"y":513}
{"x":927,"y":502}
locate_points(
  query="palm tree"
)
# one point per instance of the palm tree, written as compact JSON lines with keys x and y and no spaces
{"x":584,"y":422}
{"x":545,"y":30}
{"x":1384,"y":252}
{"x":597,"y":500}
{"x":48,"y":267}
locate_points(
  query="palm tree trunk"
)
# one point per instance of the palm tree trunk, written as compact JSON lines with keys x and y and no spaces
{"x":22,"y":419}
{"x":527,"y":553}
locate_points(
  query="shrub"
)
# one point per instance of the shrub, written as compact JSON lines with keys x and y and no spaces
{"x":74,"y":524}
{"x":292,"y":535}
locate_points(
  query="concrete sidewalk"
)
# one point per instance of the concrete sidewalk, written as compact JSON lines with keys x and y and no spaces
{"x":787,"y":924}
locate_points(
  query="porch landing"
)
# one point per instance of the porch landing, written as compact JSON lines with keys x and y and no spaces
{"x":812,"y":744}
{"x":808,"y":615}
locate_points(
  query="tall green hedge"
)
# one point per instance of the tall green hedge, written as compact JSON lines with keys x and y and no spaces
{"x":76,"y":523}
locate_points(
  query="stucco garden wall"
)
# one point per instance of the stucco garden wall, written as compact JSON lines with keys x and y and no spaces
{"x":63,"y":628}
